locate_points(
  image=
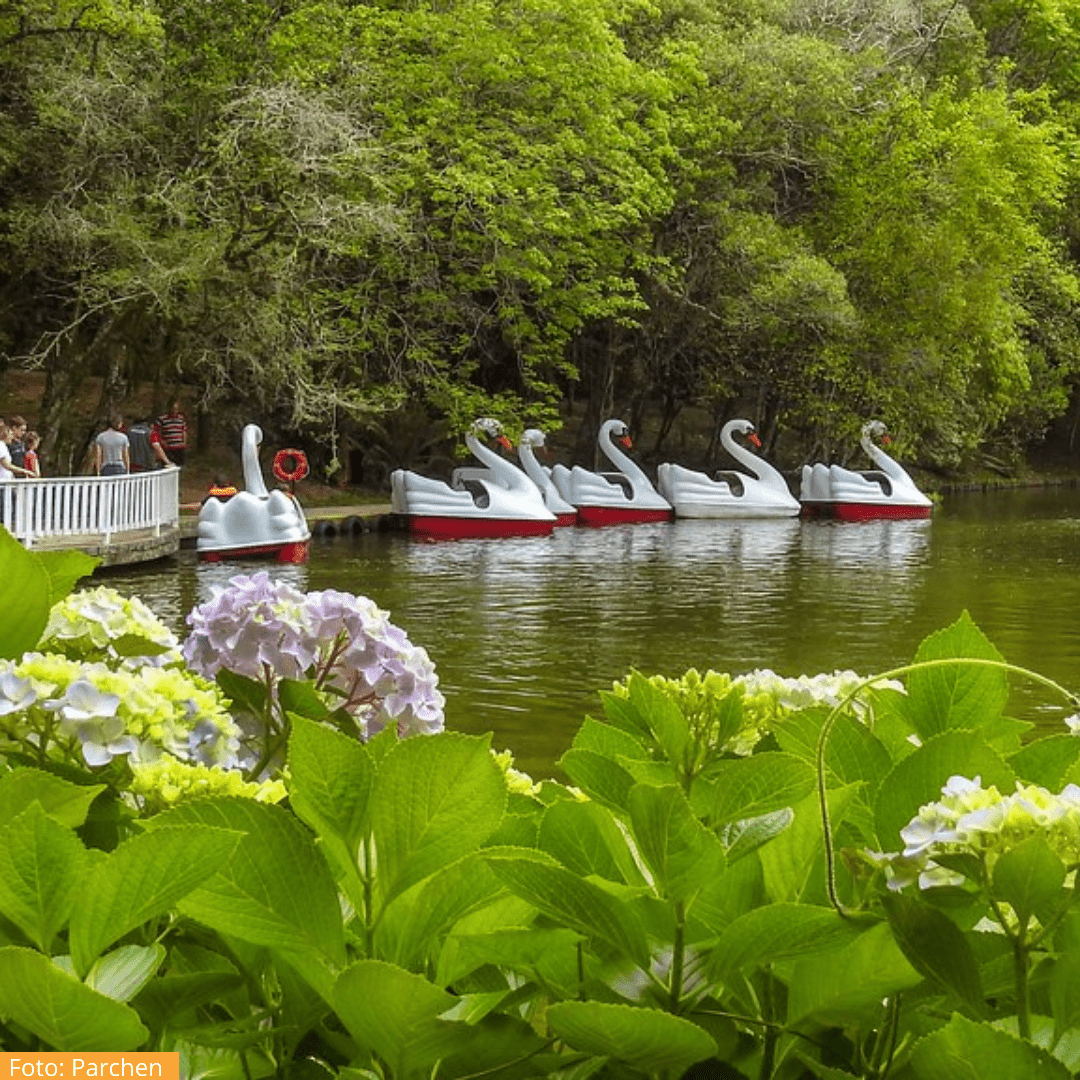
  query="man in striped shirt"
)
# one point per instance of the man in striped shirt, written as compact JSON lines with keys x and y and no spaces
{"x":174,"y":434}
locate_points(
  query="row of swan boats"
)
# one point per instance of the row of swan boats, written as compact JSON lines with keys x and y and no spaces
{"x":500,"y":498}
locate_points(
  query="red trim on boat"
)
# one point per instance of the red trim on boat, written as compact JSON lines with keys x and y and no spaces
{"x":566,"y":519}
{"x":595,"y":516}
{"x":476,"y":528}
{"x":851,"y":511}
{"x":294,"y":552}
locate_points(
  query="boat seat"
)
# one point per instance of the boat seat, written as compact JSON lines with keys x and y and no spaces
{"x":880,"y":478}
{"x":476,"y":489}
{"x":734,"y":480}
{"x":622,"y":480}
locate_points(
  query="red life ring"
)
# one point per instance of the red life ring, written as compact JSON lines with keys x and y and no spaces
{"x":290,"y":465}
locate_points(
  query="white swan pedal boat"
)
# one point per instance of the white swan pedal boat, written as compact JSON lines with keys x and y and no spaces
{"x":760,"y":491}
{"x":615,"y":498}
{"x":492,"y":501}
{"x":885,"y":492}
{"x":253,"y":522}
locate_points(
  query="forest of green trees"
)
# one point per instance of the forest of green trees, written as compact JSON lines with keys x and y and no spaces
{"x":383,"y":218}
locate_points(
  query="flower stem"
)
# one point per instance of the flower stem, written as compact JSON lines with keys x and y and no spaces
{"x":1020,"y":973}
{"x":678,"y":958}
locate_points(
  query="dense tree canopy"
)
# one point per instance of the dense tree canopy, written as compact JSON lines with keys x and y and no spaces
{"x":346,"y":214}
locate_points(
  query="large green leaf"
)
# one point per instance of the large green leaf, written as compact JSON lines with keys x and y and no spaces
{"x":64,"y":568}
{"x":395,"y":1014}
{"x":162,"y":1001}
{"x":601,"y":778}
{"x":937,"y":948}
{"x":62,"y":800}
{"x":122,"y":973}
{"x":647,"y":1039}
{"x":1065,"y":992}
{"x":681,"y":853}
{"x":1046,"y":761}
{"x":61,"y":1011}
{"x":848,"y":986}
{"x":330,"y":781}
{"x":661,"y":714}
{"x":435,"y":800}
{"x":754,"y":786}
{"x":550,"y":956}
{"x":967,"y":1050}
{"x":24,"y":595}
{"x":41,"y":869}
{"x":956,"y":695}
{"x":852,"y":752}
{"x":609,"y":740}
{"x":504,"y":1047}
{"x":416,"y":920}
{"x":789,"y":860}
{"x":573,"y":902}
{"x":779,"y":932}
{"x":585,"y":837}
{"x":1030,"y":876}
{"x":141,"y":879}
{"x":275,"y":889}
{"x":919,"y":778}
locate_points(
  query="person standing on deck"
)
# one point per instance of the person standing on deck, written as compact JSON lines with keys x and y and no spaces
{"x":145,"y":446}
{"x":111,"y":454}
{"x":174,"y":433}
{"x":31,"y":462}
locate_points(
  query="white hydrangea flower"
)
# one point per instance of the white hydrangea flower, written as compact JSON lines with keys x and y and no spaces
{"x":972,"y":820}
{"x":16,"y":695}
{"x":90,"y":622}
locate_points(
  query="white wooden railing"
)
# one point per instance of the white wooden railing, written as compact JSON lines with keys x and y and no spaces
{"x":99,"y":506}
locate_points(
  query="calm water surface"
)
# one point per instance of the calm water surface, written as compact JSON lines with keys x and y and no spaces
{"x":525,"y":632}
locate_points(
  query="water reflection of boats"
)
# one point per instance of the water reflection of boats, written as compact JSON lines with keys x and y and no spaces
{"x":884,"y":543}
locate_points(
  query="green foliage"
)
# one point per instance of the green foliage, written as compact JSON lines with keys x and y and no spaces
{"x":747,"y":877}
{"x":30,"y":583}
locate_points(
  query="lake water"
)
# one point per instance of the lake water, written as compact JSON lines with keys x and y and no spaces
{"x":525,"y":632}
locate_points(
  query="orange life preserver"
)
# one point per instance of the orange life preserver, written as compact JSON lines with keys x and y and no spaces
{"x":290,"y":465}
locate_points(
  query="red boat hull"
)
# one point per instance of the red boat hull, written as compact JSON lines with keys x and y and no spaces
{"x":844,"y":511}
{"x":566,"y":519}
{"x":596,"y":516}
{"x":294,"y":552}
{"x":477,"y":528}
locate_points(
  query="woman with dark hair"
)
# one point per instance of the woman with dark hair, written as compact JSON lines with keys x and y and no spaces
{"x":111,"y":454}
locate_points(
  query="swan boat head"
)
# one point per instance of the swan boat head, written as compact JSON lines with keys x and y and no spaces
{"x":493,"y":430}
